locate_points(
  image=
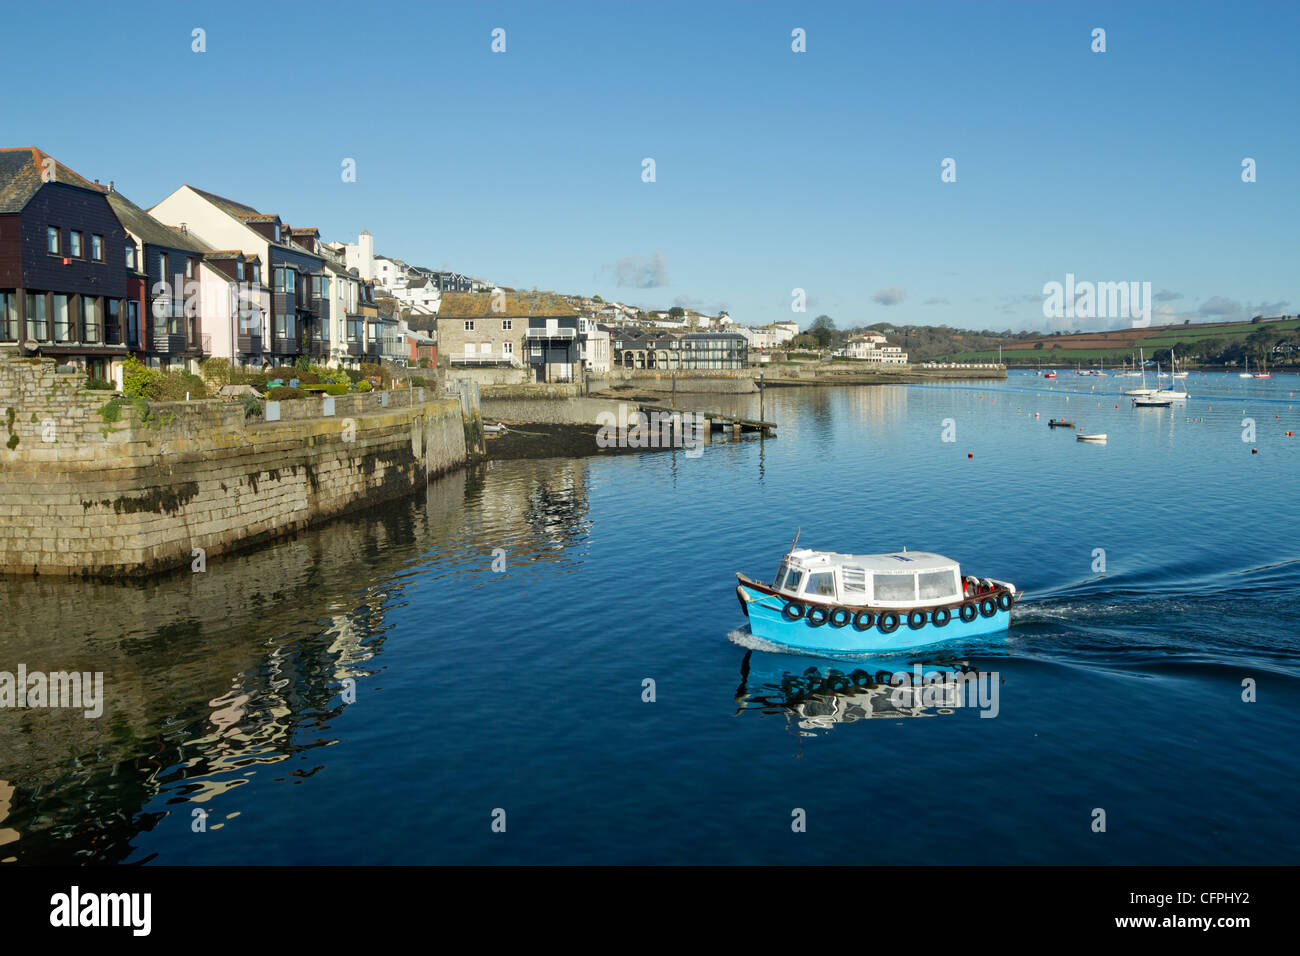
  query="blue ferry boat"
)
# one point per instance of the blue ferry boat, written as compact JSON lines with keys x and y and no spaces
{"x":846,"y":603}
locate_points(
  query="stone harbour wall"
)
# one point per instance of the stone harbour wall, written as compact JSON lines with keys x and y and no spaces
{"x":83,"y":495}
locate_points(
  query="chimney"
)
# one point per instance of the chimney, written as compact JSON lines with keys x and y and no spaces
{"x":111,"y":187}
{"x":185,"y":230}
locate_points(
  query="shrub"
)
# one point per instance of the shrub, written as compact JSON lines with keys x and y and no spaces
{"x":424,"y":362}
{"x":174,"y":386}
{"x":375,"y":370}
{"x":417,"y":382}
{"x":218,"y":372}
{"x":309,"y":378}
{"x":284,"y":393}
{"x":362,"y":386}
{"x":336,"y":389}
{"x":99,"y":385}
{"x":252,"y":407}
{"x":354,"y":375}
{"x":137,"y":378}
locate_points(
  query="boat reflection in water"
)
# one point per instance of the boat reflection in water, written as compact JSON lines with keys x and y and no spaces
{"x":815,"y":694}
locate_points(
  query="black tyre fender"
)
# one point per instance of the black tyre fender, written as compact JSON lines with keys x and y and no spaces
{"x":840,"y":616}
{"x":968,"y":612}
{"x":941,"y":617}
{"x":1004,"y":601}
{"x":864,"y":621}
{"x":912,"y":621}
{"x":988,"y":607}
{"x":792,"y":611}
{"x":887,"y":623}
{"x":822,"y":616}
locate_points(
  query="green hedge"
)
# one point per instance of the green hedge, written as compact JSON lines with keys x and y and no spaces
{"x":284,"y":393}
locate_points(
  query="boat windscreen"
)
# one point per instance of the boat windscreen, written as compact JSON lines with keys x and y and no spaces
{"x":938,"y":585}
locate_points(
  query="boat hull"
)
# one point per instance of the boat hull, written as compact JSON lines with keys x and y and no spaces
{"x":767,"y":621}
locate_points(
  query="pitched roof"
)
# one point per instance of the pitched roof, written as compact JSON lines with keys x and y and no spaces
{"x":21,"y":178}
{"x":468,"y":305}
{"x":138,"y":222}
{"x":236,"y":209}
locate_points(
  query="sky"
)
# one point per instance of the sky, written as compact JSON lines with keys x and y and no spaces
{"x":774,"y":170}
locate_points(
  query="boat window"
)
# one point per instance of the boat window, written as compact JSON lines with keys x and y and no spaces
{"x":780,"y":573}
{"x":937,"y":584}
{"x":792,"y":580}
{"x":895,"y":587}
{"x":822,"y":584}
{"x":854,"y":582}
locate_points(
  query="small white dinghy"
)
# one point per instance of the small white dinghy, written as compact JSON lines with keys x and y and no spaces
{"x":1097,"y":437}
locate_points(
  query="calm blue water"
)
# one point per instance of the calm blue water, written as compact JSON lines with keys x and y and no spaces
{"x":1118,"y":690}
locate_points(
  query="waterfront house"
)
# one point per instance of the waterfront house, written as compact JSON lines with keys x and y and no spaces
{"x":670,"y":351}
{"x":176,"y":307}
{"x":63,"y":265}
{"x":532,"y":333}
{"x":237,"y":310}
{"x":295,"y":268}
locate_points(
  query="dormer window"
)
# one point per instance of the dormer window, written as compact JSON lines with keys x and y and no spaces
{"x":277,"y":232}
{"x":239,"y":271}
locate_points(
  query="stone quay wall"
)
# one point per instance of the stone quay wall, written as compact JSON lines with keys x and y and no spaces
{"x":80,"y":494}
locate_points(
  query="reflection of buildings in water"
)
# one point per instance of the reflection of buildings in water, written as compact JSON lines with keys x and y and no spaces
{"x":289,"y":622}
{"x":881,"y":406}
{"x":534,"y":507}
{"x":822,"y":695}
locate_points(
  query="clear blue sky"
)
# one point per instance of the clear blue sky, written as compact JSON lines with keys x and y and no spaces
{"x":775,"y":170}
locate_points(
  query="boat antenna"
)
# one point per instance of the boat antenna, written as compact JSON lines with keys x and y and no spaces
{"x":795,"y":543}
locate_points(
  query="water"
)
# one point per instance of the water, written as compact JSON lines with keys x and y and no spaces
{"x":1118,"y":690}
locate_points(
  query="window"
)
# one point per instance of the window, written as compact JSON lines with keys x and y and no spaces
{"x":36,"y":318}
{"x":132,"y":323}
{"x":257,"y":272}
{"x":97,"y":248}
{"x":74,"y":245}
{"x":486,"y":348}
{"x":130,"y":255}
{"x":793,"y":579}
{"x":239,"y":271}
{"x":113,"y":327}
{"x":162,"y":266}
{"x":508,"y":347}
{"x":277,"y":232}
{"x":469,"y":325}
{"x":52,"y":244}
{"x":469,"y":349}
{"x":937,"y":585}
{"x":189,"y":268}
{"x":822,"y":584}
{"x":507,"y":325}
{"x":8,"y":317}
{"x":895,"y":587}
{"x":91,"y":309}
{"x":62,"y":329}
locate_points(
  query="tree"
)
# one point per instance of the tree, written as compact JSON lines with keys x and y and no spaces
{"x":823,"y":330}
{"x":676,"y":312}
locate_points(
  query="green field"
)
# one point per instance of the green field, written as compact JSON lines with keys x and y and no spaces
{"x":1057,"y":351}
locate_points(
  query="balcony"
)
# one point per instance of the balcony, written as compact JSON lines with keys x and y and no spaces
{"x":201,"y":344}
{"x":485,"y":359}
{"x":248,"y":344}
{"x":318,"y":348}
{"x":539,"y":333}
{"x":167,"y":343}
{"x":285,"y":346}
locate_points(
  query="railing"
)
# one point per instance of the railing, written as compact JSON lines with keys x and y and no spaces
{"x":167,"y":343}
{"x":248,"y":343}
{"x":203,"y":343}
{"x":486,"y":359}
{"x":285,"y":346}
{"x":537,"y":333}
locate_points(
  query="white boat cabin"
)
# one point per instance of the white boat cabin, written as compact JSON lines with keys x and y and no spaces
{"x":904,"y":580}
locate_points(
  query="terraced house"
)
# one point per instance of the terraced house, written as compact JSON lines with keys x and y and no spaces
{"x":535,"y":334}
{"x":63,"y":265}
{"x":290,"y":259}
{"x":170,"y":263}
